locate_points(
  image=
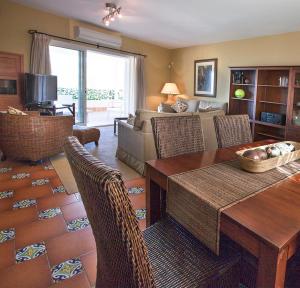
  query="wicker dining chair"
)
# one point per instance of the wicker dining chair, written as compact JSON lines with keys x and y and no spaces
{"x":178,"y":135}
{"x":166,"y":255}
{"x":232,"y":130}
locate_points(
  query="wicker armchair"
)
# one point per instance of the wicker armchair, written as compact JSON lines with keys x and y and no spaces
{"x":33,"y":137}
{"x":177,"y":135}
{"x":232,"y":130}
{"x":165,"y":256}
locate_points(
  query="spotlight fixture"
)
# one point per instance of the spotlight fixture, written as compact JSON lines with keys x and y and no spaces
{"x":113,"y":12}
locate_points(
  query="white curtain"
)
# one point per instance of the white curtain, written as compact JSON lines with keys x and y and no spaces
{"x":40,"y":56}
{"x":139,"y":89}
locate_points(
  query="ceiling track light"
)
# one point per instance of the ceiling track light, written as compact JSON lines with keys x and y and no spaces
{"x":113,"y":12}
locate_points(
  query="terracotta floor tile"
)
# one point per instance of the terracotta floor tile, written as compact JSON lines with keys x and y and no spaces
{"x":17,"y":276}
{"x":7,"y":254}
{"x":73,"y":211}
{"x":55,"y":181}
{"x":6,"y":204}
{"x":142,"y":224}
{"x":28,"y":168}
{"x":13,"y":218}
{"x":5,"y":177}
{"x":89,"y":263}
{"x":44,"y":174}
{"x":56,"y":200}
{"x":30,"y":192}
{"x":14,"y":184}
{"x":138,"y":201}
{"x":40,"y":230}
{"x":141,"y":182}
{"x":70,"y":245}
{"x":78,"y":281}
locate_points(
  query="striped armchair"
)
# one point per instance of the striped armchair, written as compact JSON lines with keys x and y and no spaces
{"x":33,"y":137}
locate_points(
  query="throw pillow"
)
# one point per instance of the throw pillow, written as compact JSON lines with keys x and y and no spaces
{"x":14,"y":111}
{"x":193,"y":104}
{"x":167,"y":108}
{"x":130,"y":119}
{"x":180,"y":106}
{"x":138,"y":124}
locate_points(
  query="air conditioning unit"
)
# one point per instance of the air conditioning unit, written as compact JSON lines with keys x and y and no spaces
{"x":97,"y":37}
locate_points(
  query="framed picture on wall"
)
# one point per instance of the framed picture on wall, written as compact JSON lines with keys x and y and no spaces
{"x":205,"y":77}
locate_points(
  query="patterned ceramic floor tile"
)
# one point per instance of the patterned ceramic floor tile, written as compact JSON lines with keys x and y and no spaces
{"x":24,"y":203}
{"x":5,"y":170}
{"x":48,"y":167}
{"x":20,"y":176}
{"x":6,"y":194}
{"x":49,"y":213}
{"x":30,"y":252}
{"x":7,"y":234}
{"x":39,"y":182}
{"x":78,"y":224}
{"x":66,"y":270}
{"x":59,"y":189}
{"x":140,"y":213}
{"x":78,"y":196}
{"x":135,"y":190}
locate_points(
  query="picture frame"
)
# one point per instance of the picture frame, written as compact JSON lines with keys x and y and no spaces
{"x":205,"y":77}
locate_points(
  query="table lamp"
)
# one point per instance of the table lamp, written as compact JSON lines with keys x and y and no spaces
{"x":170,"y":89}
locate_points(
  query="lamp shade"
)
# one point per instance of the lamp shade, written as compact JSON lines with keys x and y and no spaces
{"x":170,"y":89}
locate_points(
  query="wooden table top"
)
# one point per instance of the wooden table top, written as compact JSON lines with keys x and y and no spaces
{"x":272,"y":215}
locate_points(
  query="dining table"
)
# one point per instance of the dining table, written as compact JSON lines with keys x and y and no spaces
{"x":267,"y":224}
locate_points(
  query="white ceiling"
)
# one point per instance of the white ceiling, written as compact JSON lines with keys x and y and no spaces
{"x":182,"y":23}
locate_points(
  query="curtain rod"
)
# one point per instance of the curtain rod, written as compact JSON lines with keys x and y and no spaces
{"x":87,"y":43}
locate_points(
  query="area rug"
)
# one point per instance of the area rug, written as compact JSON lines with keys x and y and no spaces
{"x":105,"y":152}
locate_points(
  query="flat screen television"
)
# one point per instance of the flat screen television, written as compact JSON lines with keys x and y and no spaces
{"x":40,"y":88}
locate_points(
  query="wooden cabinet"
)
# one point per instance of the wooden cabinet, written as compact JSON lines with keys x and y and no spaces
{"x":268,"y":91}
{"x":11,"y":73}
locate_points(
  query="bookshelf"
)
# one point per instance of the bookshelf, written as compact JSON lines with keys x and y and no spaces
{"x":271,"y":90}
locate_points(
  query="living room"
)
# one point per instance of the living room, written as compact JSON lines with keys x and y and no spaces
{"x":164,"y":150}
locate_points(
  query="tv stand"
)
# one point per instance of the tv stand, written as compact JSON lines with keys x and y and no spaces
{"x":51,"y":109}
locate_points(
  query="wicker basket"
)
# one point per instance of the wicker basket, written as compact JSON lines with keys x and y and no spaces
{"x":259,"y":166}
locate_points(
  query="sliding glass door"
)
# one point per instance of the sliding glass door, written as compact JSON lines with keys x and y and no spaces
{"x":107,"y":91}
{"x":66,"y":64}
{"x":99,"y":84}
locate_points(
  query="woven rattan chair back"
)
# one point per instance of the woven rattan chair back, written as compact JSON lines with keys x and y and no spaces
{"x":178,"y":135}
{"x":232,"y":130}
{"x":33,"y":137}
{"x":121,"y":252}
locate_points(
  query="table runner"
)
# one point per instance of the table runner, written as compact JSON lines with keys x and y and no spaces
{"x":196,"y":198}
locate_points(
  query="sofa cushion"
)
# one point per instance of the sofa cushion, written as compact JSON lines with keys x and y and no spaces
{"x":180,"y":106}
{"x":14,"y":111}
{"x":193,"y":104}
{"x":167,"y":108}
{"x":130,"y":119}
{"x":205,"y":106}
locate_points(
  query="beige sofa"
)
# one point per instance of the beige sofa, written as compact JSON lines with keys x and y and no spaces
{"x":137,"y":146}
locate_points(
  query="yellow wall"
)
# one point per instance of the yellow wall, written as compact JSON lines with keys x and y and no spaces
{"x":16,"y":20}
{"x":276,"y":50}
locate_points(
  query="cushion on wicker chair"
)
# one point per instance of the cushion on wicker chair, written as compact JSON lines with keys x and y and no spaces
{"x":177,"y":135}
{"x":232,"y":130}
{"x":180,"y":260}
